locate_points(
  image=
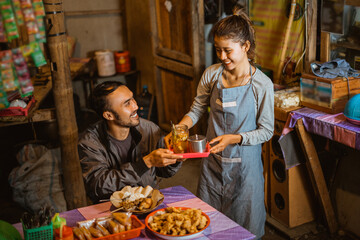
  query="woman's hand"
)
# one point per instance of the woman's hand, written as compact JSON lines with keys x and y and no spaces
{"x":224,"y":141}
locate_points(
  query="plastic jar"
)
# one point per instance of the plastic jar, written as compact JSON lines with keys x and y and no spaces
{"x":66,"y":233}
{"x":105,"y":63}
{"x":122,"y":61}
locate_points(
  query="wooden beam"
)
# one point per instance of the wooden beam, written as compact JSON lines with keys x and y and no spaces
{"x":93,"y":12}
{"x":176,"y":55}
{"x":316,"y":175}
{"x":74,"y":189}
{"x":352,"y":3}
{"x":310,"y":55}
{"x":178,"y":67}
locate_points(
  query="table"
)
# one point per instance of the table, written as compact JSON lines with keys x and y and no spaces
{"x":221,"y":227}
{"x":332,"y":126}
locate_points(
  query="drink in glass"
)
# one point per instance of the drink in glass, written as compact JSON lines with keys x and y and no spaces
{"x":180,"y":134}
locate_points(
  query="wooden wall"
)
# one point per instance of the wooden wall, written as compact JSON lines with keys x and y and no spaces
{"x":93,"y":27}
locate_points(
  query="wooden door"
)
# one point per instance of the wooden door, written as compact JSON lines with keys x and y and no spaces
{"x":178,"y":42}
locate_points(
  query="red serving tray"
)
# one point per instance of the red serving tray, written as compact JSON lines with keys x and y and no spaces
{"x":196,"y":155}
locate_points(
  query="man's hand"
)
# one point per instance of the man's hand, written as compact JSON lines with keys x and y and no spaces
{"x":224,"y":141}
{"x":160,"y":158}
{"x":167,"y":140}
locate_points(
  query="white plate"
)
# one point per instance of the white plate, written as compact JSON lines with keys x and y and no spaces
{"x":156,"y":196}
{"x":170,"y":237}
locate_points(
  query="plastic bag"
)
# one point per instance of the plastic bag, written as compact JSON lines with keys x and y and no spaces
{"x":37,"y":182}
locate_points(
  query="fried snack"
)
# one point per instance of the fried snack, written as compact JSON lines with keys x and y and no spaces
{"x":138,"y":190}
{"x":86,"y":233}
{"x":78,"y":233}
{"x":113,"y":226}
{"x":95,"y":232}
{"x":122,"y":218}
{"x":178,"y":222}
{"x":121,"y":228}
{"x":128,"y":226}
{"x":102,"y":229}
{"x":145,"y":204}
{"x":203,"y":222}
{"x":147,"y":191}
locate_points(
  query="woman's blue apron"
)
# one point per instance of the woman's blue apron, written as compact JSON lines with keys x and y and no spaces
{"x":232,"y":181}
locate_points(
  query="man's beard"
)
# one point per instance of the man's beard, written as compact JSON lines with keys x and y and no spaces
{"x":123,"y":123}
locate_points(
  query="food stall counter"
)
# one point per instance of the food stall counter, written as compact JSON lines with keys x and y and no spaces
{"x":221,"y":227}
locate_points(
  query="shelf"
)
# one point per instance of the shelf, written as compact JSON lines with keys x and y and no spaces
{"x":352,"y":2}
{"x":347,"y":45}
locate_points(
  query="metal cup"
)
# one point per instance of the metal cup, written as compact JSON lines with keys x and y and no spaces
{"x":197,"y":143}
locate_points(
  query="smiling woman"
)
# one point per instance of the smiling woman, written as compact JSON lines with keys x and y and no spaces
{"x":241,"y":101}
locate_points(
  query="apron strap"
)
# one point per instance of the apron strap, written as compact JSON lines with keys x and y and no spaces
{"x":217,"y":80}
{"x":250,"y":74}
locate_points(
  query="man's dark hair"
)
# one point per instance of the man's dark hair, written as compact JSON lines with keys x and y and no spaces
{"x":98,"y":99}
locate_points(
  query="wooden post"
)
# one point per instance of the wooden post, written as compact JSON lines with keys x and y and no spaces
{"x":316,"y":175}
{"x":310,"y":54}
{"x":325,"y":47}
{"x":63,"y":96}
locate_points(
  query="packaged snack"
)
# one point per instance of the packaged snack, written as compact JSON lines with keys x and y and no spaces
{"x":37,"y":55}
{"x":9,"y":20}
{"x":41,"y":35}
{"x":18,"y":13}
{"x":25,"y":4}
{"x":23,"y":73}
{"x":8,"y":75}
{"x":2,"y":31}
{"x":4,"y":103}
{"x":26,"y":50}
{"x":29,"y":16}
{"x":38,"y":8}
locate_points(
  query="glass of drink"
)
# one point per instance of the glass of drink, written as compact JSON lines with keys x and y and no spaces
{"x":180,"y":134}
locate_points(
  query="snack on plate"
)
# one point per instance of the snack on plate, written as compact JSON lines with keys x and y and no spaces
{"x":101,"y":227}
{"x":78,"y":233}
{"x":178,"y":222}
{"x":137,"y":199}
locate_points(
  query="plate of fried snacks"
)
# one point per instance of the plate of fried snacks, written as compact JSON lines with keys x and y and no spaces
{"x":137,"y":199}
{"x":117,"y":226}
{"x":177,"y":222}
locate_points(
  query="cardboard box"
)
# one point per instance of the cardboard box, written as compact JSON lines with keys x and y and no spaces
{"x":327,"y":95}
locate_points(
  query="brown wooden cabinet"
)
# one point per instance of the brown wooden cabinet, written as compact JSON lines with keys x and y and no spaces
{"x":173,"y":31}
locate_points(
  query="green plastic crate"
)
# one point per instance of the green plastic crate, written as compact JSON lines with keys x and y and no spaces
{"x":41,"y":233}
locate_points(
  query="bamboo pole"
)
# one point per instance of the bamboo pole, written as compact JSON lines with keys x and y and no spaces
{"x":286,"y":40}
{"x":63,"y":96}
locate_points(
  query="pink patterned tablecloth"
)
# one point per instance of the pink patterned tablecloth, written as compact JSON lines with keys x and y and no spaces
{"x":221,"y":227}
{"x":331,"y":126}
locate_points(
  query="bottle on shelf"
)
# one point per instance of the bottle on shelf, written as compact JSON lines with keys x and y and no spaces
{"x":147,"y":105}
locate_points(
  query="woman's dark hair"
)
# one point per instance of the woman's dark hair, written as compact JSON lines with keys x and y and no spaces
{"x":98,"y":99}
{"x":237,"y":27}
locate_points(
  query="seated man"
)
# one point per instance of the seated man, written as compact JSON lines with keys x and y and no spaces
{"x":122,"y":149}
